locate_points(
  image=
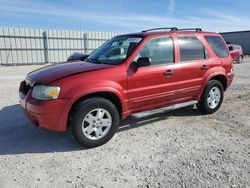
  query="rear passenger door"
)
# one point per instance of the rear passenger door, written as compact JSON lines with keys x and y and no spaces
{"x":193,"y":64}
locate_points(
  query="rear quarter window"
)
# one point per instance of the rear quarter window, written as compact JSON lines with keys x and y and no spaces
{"x":217,"y":45}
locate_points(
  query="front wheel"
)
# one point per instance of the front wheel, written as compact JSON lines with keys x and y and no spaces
{"x":212,"y":97}
{"x":94,"y":122}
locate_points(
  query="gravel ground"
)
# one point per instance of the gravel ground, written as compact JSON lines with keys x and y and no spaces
{"x":177,"y":149}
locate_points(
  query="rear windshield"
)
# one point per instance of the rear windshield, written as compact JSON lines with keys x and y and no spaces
{"x":217,"y":45}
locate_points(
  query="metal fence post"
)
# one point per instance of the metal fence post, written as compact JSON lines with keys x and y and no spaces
{"x":45,"y":46}
{"x":85,"y":37}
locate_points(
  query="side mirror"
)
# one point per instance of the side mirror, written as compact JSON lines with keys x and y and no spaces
{"x":77,"y":56}
{"x":143,"y":62}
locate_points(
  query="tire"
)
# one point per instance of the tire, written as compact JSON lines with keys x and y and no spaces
{"x":241,"y":59}
{"x":211,"y":98}
{"x":94,"y":122}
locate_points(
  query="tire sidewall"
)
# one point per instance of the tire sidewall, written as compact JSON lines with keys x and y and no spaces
{"x":241,"y":59}
{"x":83,"y":109}
{"x":210,"y":85}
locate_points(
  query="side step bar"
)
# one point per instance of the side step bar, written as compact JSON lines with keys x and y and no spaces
{"x":162,"y":110}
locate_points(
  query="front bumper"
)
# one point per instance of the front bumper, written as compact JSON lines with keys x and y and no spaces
{"x":51,"y":114}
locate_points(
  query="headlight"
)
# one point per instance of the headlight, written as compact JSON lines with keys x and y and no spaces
{"x":43,"y":92}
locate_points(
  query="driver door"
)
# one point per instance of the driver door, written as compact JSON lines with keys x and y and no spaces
{"x":155,"y":85}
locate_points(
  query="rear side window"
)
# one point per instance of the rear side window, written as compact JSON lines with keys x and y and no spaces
{"x":217,"y":45}
{"x":191,"y":49}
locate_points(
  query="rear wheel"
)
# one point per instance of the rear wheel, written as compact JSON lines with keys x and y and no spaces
{"x":212,"y":97}
{"x":241,"y":59}
{"x":94,"y":122}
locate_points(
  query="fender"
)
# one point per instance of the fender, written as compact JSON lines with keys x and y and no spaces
{"x":70,"y":103}
{"x":113,"y":90}
{"x":84,"y":89}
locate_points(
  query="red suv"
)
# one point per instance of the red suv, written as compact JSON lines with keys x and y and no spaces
{"x":129,"y":74}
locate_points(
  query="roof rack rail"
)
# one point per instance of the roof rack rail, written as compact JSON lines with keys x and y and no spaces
{"x":190,"y":29}
{"x":172,"y":29}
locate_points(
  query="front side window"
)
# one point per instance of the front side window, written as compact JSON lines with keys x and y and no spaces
{"x":114,"y":51}
{"x":159,"y":50}
{"x":191,"y":49}
{"x":217,"y":45}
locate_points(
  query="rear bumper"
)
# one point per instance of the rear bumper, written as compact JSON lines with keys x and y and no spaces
{"x":50,"y":114}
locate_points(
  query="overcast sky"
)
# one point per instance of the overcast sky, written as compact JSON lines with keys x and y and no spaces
{"x":126,"y":15}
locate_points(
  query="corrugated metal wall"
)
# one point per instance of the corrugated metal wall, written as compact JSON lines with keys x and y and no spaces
{"x":36,"y":46}
{"x":240,"y":37}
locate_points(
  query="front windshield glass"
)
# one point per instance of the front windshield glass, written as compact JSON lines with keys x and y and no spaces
{"x":114,"y":51}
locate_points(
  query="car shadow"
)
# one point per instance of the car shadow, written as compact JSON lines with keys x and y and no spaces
{"x":19,"y":136}
{"x":132,"y":122}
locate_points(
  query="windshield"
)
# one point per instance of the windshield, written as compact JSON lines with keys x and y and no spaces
{"x":114,"y":51}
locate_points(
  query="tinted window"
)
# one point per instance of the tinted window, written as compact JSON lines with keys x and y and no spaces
{"x":217,"y":45}
{"x":159,"y":50}
{"x":191,"y":49}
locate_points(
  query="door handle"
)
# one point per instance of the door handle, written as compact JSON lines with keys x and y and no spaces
{"x":168,"y":72}
{"x":204,"y":67}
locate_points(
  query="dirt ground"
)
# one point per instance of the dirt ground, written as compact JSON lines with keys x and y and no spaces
{"x":181,"y":148}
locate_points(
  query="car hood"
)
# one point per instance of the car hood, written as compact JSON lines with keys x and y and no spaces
{"x":48,"y":74}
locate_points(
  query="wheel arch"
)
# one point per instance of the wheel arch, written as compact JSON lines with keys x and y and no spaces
{"x":111,"y":96}
{"x":220,"y":77}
